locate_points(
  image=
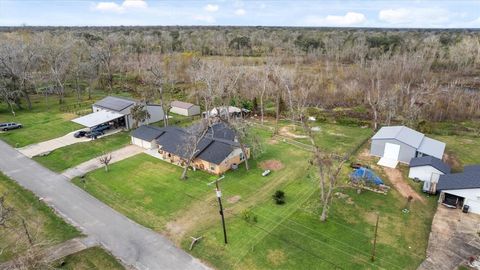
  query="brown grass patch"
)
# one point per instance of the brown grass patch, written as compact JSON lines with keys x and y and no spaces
{"x":276,"y":257}
{"x":271,"y":164}
{"x":234,"y":199}
{"x":453,"y":161}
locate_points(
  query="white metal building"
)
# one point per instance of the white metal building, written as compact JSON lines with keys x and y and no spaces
{"x":117,"y":109}
{"x":461,"y":189}
{"x":395,"y":144}
{"x":184,"y":108}
{"x":427,"y":168}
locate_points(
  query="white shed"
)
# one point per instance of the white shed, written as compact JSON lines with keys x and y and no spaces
{"x":184,"y":108}
{"x":427,"y":168}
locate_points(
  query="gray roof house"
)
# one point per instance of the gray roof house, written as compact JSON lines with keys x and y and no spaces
{"x":184,"y":108}
{"x":461,"y":189}
{"x":217,"y":149}
{"x":403,"y":144}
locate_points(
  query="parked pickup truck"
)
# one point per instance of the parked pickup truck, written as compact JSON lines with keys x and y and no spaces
{"x":101,"y":128}
{"x":9,"y":126}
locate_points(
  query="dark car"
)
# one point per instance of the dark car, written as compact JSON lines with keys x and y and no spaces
{"x":79,"y":134}
{"x":9,"y":126}
{"x":93,"y":134}
{"x":101,"y":128}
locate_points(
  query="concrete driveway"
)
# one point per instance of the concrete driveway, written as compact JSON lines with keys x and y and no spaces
{"x":93,"y":164}
{"x":453,"y":239}
{"x":50,"y":145}
{"x":133,"y":244}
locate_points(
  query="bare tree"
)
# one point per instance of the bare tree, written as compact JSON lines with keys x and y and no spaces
{"x":105,"y":160}
{"x":158,"y":80}
{"x":194,"y":134}
{"x":139,"y":114}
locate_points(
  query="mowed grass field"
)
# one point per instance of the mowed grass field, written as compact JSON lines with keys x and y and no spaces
{"x":94,"y":258}
{"x":72,"y":155}
{"x":43,"y":224}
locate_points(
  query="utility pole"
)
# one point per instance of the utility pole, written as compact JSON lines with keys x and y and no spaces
{"x":375,"y":239}
{"x":219,"y":196}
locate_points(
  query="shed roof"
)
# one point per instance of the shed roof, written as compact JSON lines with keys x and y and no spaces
{"x":400,"y":133}
{"x":472,"y":168}
{"x":97,"y":118}
{"x":147,"y":133}
{"x":115,"y":103}
{"x":430,"y":161}
{"x":181,"y":104}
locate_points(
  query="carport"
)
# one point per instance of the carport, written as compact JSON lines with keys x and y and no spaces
{"x":98,"y":118}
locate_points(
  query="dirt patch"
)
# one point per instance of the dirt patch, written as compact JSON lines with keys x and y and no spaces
{"x":453,"y":161}
{"x":234,"y":199}
{"x":271,"y":164}
{"x":272,"y":141}
{"x":276,"y":257}
{"x":397,"y":180}
{"x":285,"y":131}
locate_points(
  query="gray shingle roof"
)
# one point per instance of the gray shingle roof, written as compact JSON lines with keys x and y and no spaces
{"x":181,"y":104}
{"x":472,"y":168}
{"x":221,"y":131}
{"x":211,"y":149}
{"x":401,"y":133}
{"x":430,"y":161}
{"x":464,"y":180}
{"x":147,"y":133}
{"x":115,"y":103}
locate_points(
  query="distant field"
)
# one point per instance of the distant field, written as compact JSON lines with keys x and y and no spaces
{"x":44,"y":225}
{"x":94,"y":258}
{"x":72,"y":155}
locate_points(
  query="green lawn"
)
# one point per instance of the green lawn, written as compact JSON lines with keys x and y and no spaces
{"x":466,"y":149}
{"x":94,"y":258}
{"x":43,"y":122}
{"x":42,"y":223}
{"x":72,"y":155}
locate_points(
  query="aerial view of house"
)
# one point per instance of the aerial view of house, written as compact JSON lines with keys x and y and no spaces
{"x":239,"y":135}
{"x":216,"y":152}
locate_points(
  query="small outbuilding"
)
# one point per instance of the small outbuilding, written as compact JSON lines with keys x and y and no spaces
{"x":427,"y":168}
{"x":184,"y":108}
{"x":461,"y":190}
{"x":395,"y":144}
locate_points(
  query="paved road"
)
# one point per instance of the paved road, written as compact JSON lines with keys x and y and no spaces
{"x":93,"y":164}
{"x":128,"y":241}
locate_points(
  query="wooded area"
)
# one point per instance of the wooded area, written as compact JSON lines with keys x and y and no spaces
{"x":385,"y":75}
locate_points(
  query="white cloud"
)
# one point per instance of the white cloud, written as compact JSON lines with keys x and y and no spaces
{"x":204,"y":18}
{"x":211,"y":8}
{"x":240,"y":12}
{"x":415,"y":17}
{"x":349,"y":19}
{"x":126,"y":5}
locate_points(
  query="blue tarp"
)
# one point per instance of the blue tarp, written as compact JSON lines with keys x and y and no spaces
{"x":367,"y":175}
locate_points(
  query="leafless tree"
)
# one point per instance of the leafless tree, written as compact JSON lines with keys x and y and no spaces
{"x":159,"y":80}
{"x":194,"y":135}
{"x":105,"y":160}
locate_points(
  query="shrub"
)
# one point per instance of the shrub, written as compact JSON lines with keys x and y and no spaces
{"x":279,"y":197}
{"x":249,"y":216}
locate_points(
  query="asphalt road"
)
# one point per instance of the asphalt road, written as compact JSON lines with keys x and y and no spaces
{"x":135,"y":245}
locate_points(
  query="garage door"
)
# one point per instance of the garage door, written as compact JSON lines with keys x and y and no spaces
{"x":390,"y":155}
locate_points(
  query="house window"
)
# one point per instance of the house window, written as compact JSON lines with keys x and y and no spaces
{"x":212,"y":168}
{"x":241,"y":156}
{"x":169,"y":155}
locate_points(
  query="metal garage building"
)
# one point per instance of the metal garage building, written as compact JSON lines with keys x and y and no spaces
{"x":461,"y":189}
{"x":400,"y":144}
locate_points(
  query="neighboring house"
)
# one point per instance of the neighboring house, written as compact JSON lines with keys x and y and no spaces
{"x":116,"y":110}
{"x":461,"y":189}
{"x":184,"y":108}
{"x":400,"y":144}
{"x":216,"y":153}
{"x":223,"y":111}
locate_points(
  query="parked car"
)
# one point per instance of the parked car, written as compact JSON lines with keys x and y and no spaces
{"x":101,"y":128}
{"x":9,"y":126}
{"x":93,"y":134}
{"x":80,"y":134}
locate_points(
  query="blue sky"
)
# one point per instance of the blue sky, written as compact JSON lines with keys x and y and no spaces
{"x":373,"y":13}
